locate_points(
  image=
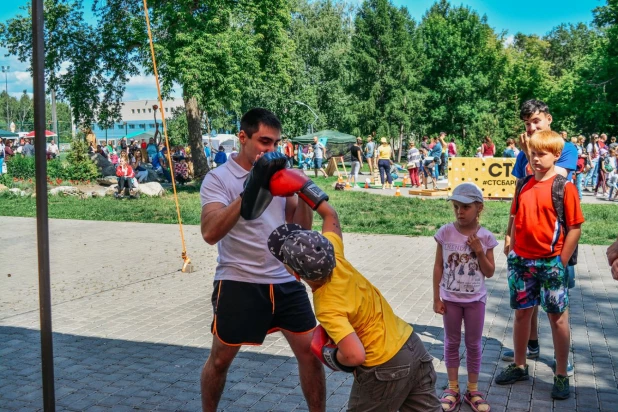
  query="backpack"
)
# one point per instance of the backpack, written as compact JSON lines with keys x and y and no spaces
{"x":557,"y":199}
{"x":607,"y":165}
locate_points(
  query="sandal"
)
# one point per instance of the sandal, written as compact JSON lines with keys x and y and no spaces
{"x":452,"y":405}
{"x":480,"y":401}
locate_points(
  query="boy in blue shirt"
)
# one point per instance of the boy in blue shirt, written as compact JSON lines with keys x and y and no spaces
{"x":536,"y":117}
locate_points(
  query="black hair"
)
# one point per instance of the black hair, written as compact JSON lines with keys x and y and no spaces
{"x":251,"y":121}
{"x":532,"y":106}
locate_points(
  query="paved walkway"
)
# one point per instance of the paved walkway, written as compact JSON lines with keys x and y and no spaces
{"x":132,"y":332}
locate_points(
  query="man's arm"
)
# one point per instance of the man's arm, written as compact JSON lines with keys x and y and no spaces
{"x":612,"y":258}
{"x":330,"y":219}
{"x":217,"y":220}
{"x":570,"y":243}
{"x":612,"y":253}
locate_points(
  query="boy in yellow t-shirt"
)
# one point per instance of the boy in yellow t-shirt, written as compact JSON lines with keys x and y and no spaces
{"x":359,"y":332}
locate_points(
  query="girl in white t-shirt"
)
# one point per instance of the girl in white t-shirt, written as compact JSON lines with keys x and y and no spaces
{"x":464,"y":258}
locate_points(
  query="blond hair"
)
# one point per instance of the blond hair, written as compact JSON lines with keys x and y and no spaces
{"x":547,"y":141}
{"x":574,"y":140}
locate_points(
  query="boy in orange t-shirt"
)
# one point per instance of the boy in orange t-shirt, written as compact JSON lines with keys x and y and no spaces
{"x":538,"y":258}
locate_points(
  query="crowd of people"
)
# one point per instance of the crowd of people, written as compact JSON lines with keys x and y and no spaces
{"x":133,"y":160}
{"x":24,"y":147}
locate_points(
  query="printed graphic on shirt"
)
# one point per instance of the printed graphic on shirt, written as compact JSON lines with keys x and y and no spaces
{"x":461,"y":270}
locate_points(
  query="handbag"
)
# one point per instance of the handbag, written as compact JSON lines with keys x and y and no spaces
{"x":411,"y":165}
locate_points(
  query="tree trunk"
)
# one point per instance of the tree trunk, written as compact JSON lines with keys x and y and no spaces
{"x":200,"y":165}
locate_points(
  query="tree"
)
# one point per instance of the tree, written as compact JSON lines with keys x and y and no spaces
{"x":386,"y":69}
{"x":321,"y":31}
{"x":79,"y":65}
{"x":466,"y":63}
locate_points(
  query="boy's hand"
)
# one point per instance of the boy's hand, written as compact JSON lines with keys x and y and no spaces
{"x":507,"y":245}
{"x":524,"y":139}
{"x":439,"y":307}
{"x":475,"y":244}
{"x":615,"y":269}
{"x":565,"y":261}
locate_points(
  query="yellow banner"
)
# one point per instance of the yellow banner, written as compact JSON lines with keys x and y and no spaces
{"x":492,"y":175}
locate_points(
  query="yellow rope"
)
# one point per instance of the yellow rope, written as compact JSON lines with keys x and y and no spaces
{"x":186,"y":259}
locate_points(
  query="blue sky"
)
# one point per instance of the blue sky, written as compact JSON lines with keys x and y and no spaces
{"x":512,"y":16}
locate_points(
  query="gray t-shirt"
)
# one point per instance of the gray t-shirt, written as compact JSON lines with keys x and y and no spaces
{"x":370,"y":147}
{"x":318,"y":150}
{"x":243,"y":252}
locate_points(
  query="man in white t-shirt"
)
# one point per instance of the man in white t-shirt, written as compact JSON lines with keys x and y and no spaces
{"x":52,"y":150}
{"x":253,"y":293}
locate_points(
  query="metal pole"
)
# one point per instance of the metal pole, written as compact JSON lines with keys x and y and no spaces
{"x":6,"y":91}
{"x":311,"y":110}
{"x":38,"y":72}
{"x":5,"y":70}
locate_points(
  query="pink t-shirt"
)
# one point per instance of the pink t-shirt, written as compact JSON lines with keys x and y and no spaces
{"x":462,"y":279}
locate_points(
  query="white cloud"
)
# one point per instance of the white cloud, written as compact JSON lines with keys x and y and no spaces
{"x":508,"y":41}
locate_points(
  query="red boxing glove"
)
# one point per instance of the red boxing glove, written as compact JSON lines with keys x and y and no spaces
{"x":325,"y":350}
{"x":288,"y":182}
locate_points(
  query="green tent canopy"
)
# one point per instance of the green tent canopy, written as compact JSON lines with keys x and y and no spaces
{"x":6,"y":133}
{"x":337,"y":143}
{"x":332,"y":136}
{"x":140,"y":135}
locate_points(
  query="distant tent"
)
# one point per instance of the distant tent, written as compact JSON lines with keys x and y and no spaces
{"x":337,"y":143}
{"x":6,"y":133}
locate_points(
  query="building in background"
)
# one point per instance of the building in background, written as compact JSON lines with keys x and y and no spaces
{"x":137,"y":116}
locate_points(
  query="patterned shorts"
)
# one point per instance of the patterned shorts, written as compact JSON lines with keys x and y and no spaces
{"x":538,"y":281}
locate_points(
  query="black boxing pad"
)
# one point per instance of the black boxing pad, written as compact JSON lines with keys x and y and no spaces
{"x":256,"y":196}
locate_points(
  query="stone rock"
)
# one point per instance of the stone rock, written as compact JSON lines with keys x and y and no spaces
{"x":103,"y":165}
{"x":17,"y":192}
{"x":3,"y":188}
{"x":107,"y":180}
{"x":111,"y":190}
{"x":65,"y":190}
{"x":151,"y":189}
{"x":100,"y":192}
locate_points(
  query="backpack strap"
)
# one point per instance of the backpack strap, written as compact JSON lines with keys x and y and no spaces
{"x":518,"y":187}
{"x":557,"y":198}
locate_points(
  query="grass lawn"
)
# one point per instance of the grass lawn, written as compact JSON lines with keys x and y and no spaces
{"x":359,"y":212}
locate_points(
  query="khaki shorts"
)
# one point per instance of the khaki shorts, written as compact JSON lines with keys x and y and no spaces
{"x":404,"y":383}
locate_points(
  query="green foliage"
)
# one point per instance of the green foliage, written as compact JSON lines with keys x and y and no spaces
{"x":363,"y":67}
{"x":80,"y":167}
{"x":177,"y":128}
{"x":6,"y":180}
{"x":21,"y":167}
{"x":57,"y":169}
{"x":79,"y":64}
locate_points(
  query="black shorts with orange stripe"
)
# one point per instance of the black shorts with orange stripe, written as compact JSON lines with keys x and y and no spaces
{"x":244,"y":313}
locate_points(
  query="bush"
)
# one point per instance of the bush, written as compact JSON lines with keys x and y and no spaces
{"x":6,"y":180}
{"x":21,"y":167}
{"x":80,"y":167}
{"x":57,"y":169}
